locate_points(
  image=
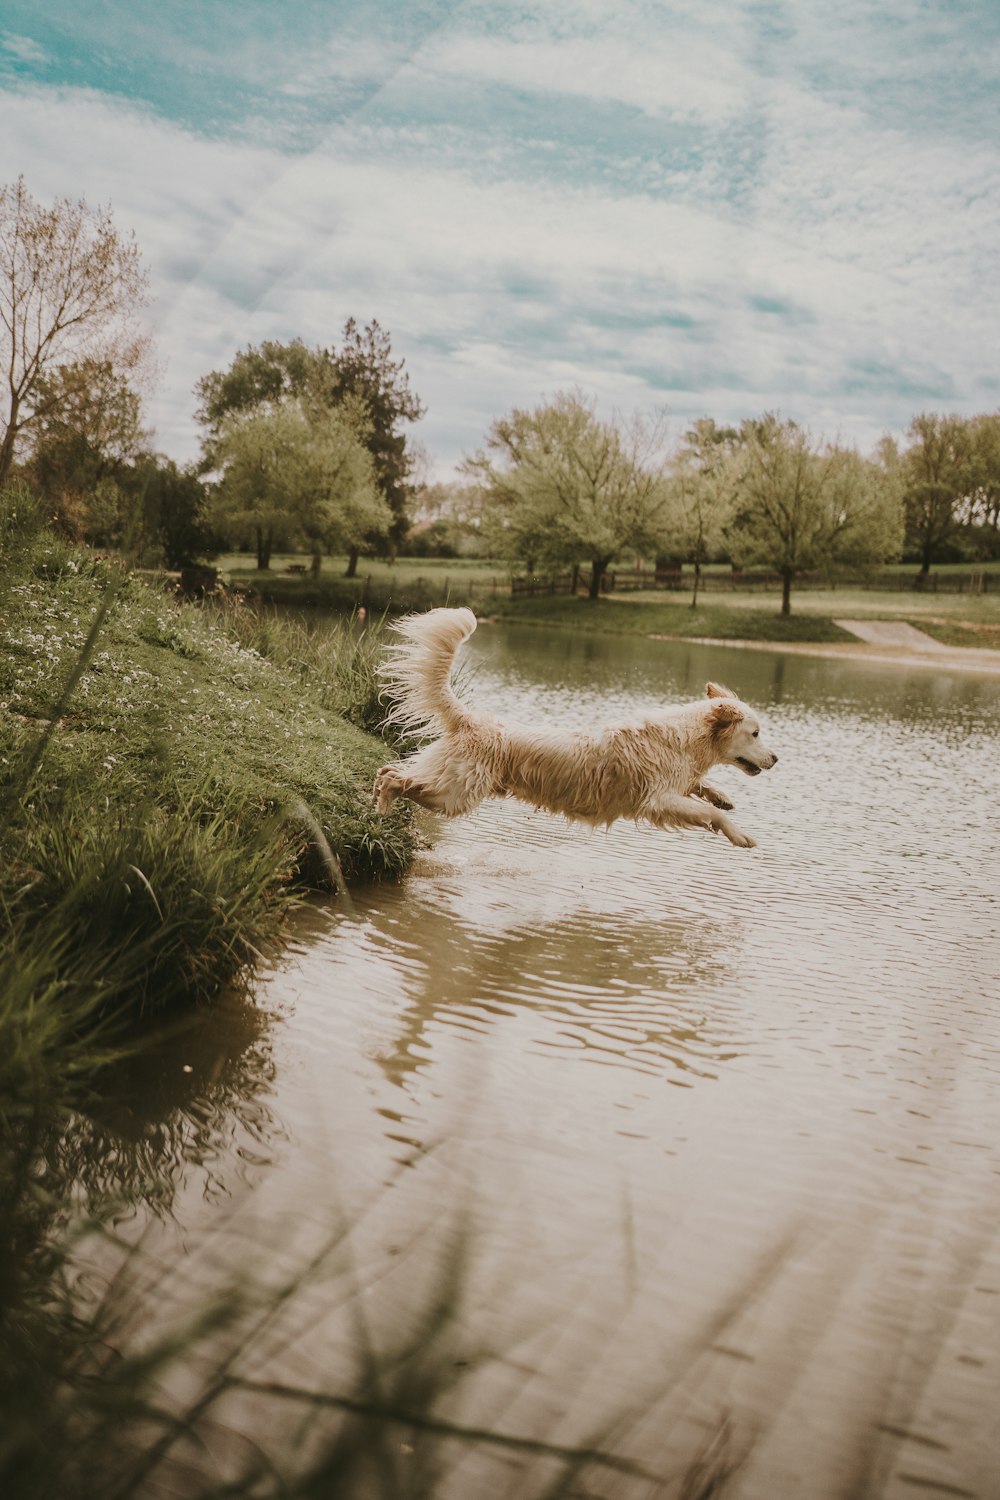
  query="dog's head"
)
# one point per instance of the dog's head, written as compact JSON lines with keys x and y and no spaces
{"x":736,"y":733}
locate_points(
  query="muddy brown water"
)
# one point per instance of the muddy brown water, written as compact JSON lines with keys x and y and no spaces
{"x":703,"y":1142}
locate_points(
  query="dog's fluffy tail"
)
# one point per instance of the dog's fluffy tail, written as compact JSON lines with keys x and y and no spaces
{"x":417,"y":670}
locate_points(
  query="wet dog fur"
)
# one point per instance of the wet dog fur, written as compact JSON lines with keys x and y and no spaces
{"x":654,"y":769}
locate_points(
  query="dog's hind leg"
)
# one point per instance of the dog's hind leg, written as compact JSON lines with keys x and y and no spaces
{"x":388,"y":786}
{"x":451,"y":796}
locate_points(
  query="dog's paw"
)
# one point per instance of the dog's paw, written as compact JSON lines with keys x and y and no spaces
{"x":741,"y":840}
{"x":714,"y":796}
{"x":385,"y":790}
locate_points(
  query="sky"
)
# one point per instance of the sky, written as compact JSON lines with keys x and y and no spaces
{"x":708,"y":207}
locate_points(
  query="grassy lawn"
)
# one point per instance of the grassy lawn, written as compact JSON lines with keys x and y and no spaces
{"x":406,"y":569}
{"x":421,"y":583}
{"x":648,"y":614}
{"x":409,"y":583}
{"x":958,"y":632}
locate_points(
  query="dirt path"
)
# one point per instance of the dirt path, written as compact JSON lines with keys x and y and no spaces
{"x":880,"y":641}
{"x":891,"y":633}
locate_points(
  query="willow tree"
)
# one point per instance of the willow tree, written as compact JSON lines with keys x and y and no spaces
{"x":71,"y":287}
{"x":937,"y":470}
{"x":701,"y":495}
{"x":800,"y":505}
{"x":560,"y":486}
{"x":288,"y":473}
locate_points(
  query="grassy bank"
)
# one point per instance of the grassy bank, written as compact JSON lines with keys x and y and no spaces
{"x":170,"y":778}
{"x":650,"y":615}
{"x":181,"y":752}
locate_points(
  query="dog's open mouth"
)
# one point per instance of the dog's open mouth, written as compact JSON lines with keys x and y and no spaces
{"x":748,"y":766}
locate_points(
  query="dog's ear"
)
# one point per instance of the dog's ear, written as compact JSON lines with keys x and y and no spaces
{"x":722,"y":716}
{"x":716,"y":690}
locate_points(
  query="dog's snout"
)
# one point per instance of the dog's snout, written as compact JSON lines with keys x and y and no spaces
{"x":774,"y":760}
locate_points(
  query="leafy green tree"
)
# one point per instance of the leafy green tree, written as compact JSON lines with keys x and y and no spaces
{"x":90,"y":431}
{"x":175,"y":501}
{"x":260,"y":379}
{"x":981,"y":508}
{"x":800,"y":506}
{"x":361,"y":377}
{"x":560,"y":486}
{"x":285,"y":473}
{"x":71,"y":287}
{"x":937,"y":474}
{"x":701,"y":496}
{"x":367,"y":372}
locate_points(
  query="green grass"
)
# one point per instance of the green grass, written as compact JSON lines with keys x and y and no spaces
{"x":650,"y":615}
{"x":409,"y":583}
{"x":984,"y":635}
{"x":170,"y":779}
{"x":751,"y":614}
{"x":181,"y":707}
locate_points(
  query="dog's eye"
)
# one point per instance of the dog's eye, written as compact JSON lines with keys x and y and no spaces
{"x":756,"y":733}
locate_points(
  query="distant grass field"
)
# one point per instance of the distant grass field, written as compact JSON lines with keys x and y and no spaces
{"x":649,"y":614}
{"x":965,"y":619}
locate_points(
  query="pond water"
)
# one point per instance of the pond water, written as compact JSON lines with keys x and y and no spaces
{"x":704,"y":1142}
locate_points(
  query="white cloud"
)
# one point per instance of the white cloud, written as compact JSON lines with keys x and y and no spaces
{"x":850,"y":275}
{"x":690,"y":73}
{"x":22,"y":48}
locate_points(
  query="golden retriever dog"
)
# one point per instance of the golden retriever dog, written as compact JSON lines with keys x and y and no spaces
{"x":654,"y":769}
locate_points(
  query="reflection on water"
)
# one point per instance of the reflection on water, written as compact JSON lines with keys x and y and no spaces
{"x":726,"y":1123}
{"x":191,"y":1109}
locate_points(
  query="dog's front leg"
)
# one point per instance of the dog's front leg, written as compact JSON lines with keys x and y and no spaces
{"x":713,"y":795}
{"x":676,"y":811}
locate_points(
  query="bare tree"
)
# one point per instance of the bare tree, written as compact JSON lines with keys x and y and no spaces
{"x":70,"y":289}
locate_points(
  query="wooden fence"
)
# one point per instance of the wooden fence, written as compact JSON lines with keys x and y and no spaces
{"x":621,"y":580}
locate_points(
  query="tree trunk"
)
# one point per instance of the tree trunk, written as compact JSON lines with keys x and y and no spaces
{"x":598,"y":568}
{"x":925,"y":566}
{"x":697,"y":580}
{"x":264,"y":542}
{"x":352,"y":562}
{"x":7,"y":452}
{"x":317,"y":561}
{"x":786,"y":590}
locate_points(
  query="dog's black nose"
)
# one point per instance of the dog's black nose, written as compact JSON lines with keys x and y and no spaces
{"x":774,"y":759}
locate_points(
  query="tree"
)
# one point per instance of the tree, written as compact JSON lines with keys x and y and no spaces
{"x":259,"y":380}
{"x":701,"y":494}
{"x":361,"y":376}
{"x":800,"y":506}
{"x":981,"y":508}
{"x":936,"y":471}
{"x":70,"y":289}
{"x":176,"y":502}
{"x":288,"y":474}
{"x":90,"y":431}
{"x":366,"y":370}
{"x":565,"y":486}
